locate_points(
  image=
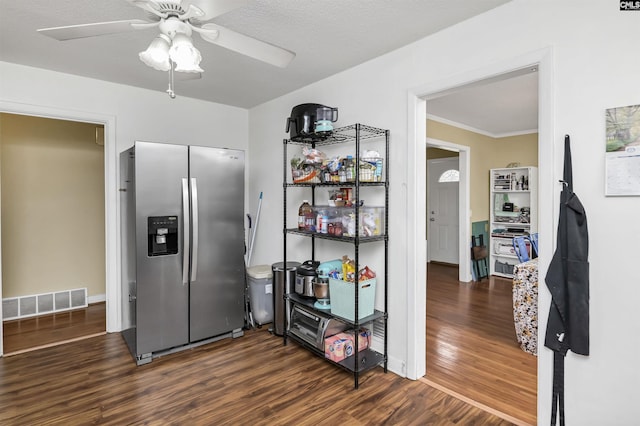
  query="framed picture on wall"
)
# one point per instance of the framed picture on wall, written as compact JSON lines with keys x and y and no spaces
{"x":622,"y":171}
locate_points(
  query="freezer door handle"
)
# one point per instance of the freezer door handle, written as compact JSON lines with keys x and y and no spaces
{"x":194,"y":210}
{"x":185,"y":231}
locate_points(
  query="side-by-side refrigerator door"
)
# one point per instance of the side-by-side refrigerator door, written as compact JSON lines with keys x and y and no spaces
{"x":162,"y":203}
{"x":217,"y":275}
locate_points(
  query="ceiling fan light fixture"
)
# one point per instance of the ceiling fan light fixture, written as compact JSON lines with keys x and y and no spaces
{"x":184,"y":54}
{"x":157,"y":54}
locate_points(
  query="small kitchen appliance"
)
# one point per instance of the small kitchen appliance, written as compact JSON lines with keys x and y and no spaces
{"x":311,"y":122}
{"x":313,"y":327}
{"x":325,"y":117}
{"x":325,"y":270}
{"x":321,"y":293}
{"x":305,"y":275}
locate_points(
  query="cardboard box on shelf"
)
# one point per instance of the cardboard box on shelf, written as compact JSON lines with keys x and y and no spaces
{"x":364,"y":338}
{"x":341,"y":345}
{"x":338,"y":347}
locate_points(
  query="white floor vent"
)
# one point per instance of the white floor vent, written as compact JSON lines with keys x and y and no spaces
{"x":41,"y":304}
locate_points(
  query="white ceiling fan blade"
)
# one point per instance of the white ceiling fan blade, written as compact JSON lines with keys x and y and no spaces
{"x":90,"y":30}
{"x":145,"y":25}
{"x":246,"y":45}
{"x":193,"y":12}
{"x":213,"y":8}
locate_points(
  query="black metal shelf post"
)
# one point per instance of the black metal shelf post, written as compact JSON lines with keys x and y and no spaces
{"x":360,"y":361}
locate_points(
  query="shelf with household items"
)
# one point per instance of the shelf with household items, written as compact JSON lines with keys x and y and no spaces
{"x":514,"y":213}
{"x":342,"y":216}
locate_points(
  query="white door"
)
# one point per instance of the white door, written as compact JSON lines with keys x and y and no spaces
{"x":442,"y":210}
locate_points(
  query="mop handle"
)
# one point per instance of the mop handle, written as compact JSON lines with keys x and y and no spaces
{"x":255,"y":229}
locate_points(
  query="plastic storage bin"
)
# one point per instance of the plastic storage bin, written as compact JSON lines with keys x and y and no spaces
{"x":371,"y":221}
{"x":342,"y":294}
{"x":261,"y":293}
{"x":371,"y":169}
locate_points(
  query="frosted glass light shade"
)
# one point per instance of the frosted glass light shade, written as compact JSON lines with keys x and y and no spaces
{"x":184,"y":54}
{"x":157,"y":54}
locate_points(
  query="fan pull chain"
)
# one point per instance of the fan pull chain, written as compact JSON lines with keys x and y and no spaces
{"x":170,"y":91}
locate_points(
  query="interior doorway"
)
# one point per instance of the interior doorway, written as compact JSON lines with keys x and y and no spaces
{"x":427,"y":219}
{"x":53,"y":230}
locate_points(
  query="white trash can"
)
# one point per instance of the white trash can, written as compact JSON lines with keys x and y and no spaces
{"x":261,"y":293}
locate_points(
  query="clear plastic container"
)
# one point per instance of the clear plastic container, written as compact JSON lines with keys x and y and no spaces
{"x":370,"y":223}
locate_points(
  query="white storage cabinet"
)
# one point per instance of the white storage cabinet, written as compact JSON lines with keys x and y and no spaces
{"x":513,"y":207}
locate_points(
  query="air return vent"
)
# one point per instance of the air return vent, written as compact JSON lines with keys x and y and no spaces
{"x":41,"y":304}
{"x":377,"y":335}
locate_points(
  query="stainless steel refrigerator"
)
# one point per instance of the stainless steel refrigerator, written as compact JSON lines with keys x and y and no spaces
{"x":183,"y":247}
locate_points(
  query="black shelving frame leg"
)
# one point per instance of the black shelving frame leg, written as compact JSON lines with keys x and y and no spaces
{"x":386,"y":247}
{"x":284,"y":239}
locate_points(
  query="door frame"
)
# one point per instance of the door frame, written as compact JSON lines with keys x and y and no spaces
{"x":112,"y":232}
{"x":464,"y":204}
{"x":417,"y":99}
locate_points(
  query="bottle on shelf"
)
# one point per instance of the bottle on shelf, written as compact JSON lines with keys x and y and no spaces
{"x":304,"y":210}
{"x":310,"y":221}
{"x":322,"y":222}
{"x":350,"y":169}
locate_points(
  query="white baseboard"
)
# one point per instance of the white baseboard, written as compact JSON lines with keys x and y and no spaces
{"x":97,"y":298}
{"x":397,"y":366}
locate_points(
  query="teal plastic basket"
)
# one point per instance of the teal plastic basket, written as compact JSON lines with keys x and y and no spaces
{"x":342,"y":295}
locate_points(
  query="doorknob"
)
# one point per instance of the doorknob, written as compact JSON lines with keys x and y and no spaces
{"x":432,"y":219}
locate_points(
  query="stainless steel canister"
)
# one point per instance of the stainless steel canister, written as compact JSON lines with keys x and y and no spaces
{"x":283,"y":280}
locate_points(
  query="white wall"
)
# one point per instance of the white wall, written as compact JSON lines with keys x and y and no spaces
{"x":129,"y":114}
{"x":594,"y":65}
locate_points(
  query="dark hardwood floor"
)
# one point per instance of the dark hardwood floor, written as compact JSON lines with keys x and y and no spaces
{"x":47,"y":330}
{"x":252,"y":380}
{"x":471,"y":351}
{"x":471,"y":343}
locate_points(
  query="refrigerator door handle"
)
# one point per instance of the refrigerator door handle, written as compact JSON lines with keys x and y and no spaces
{"x":194,"y":210}
{"x":185,"y":231}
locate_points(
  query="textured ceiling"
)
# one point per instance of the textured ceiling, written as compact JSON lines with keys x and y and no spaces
{"x":328,"y":36}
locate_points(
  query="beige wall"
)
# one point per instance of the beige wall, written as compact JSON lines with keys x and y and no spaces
{"x":52,"y":180}
{"x":435,"y":153}
{"x":486,"y":153}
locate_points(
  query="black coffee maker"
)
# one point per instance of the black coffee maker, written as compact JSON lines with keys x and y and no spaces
{"x":311,"y":122}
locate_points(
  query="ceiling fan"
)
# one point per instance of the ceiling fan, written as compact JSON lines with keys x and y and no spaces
{"x":176,"y":20}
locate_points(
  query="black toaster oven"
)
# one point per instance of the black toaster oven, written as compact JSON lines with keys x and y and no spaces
{"x":313,"y":327}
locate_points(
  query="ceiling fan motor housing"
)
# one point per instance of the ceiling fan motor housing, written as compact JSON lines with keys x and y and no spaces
{"x":172,"y":26}
{"x":170,"y":7}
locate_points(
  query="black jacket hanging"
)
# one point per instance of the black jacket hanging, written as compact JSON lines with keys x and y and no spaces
{"x":568,"y":282}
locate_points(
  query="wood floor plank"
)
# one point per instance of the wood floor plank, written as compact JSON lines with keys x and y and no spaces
{"x":253,"y":379}
{"x":472,"y":347}
{"x":24,"y":334}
